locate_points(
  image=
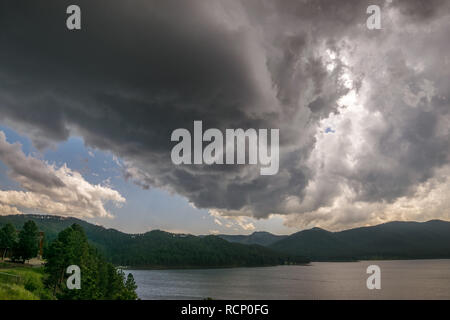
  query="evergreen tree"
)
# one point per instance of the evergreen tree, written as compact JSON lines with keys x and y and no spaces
{"x":8,"y":238}
{"x":99,"y":279}
{"x":28,"y":245}
{"x":130,"y":288}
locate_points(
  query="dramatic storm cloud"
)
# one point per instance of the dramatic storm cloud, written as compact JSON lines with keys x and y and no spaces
{"x":51,"y":190}
{"x":363,"y":114}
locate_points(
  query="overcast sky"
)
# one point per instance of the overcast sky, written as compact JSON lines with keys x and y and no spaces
{"x":364,"y":115}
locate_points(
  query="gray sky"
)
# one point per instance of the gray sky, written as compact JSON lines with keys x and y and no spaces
{"x":363,"y":114}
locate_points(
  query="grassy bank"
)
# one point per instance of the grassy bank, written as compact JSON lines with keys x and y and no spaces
{"x":22,"y":283}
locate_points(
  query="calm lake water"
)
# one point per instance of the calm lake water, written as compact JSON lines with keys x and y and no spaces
{"x":413,"y":279}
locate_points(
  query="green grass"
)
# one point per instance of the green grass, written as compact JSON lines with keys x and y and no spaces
{"x":15,"y":292}
{"x":28,"y":285}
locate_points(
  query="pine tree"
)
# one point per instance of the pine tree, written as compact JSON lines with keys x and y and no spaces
{"x":130,"y":288}
{"x":99,"y":279}
{"x":8,"y":238}
{"x":28,"y":245}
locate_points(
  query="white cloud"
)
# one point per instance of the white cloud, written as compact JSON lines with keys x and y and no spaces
{"x":49,"y":189}
{"x":300,"y":66}
{"x":230,"y":221}
{"x":429,"y":201}
{"x":7,"y":210}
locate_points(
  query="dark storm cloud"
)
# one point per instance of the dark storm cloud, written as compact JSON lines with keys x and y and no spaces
{"x":421,"y":10}
{"x":46,"y":188}
{"x":35,"y":171}
{"x":140,"y":69}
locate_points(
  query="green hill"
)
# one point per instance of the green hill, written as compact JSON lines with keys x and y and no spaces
{"x":159,"y":249}
{"x":393,"y":240}
{"x":260,"y":237}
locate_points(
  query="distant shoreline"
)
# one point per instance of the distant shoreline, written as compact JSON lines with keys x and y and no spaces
{"x":267,"y":266}
{"x":203,"y":267}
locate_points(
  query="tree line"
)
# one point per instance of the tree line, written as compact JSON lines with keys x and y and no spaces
{"x":22,"y":246}
{"x":99,"y":279}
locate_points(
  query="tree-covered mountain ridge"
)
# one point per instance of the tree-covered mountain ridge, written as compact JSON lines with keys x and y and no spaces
{"x":160,"y":249}
{"x":391,"y":240}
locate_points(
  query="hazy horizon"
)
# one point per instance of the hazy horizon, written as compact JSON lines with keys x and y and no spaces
{"x":231,"y":234}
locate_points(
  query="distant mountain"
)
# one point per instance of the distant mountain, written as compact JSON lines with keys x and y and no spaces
{"x":159,"y":249}
{"x":393,"y":240}
{"x":260,"y":237}
{"x":52,"y":225}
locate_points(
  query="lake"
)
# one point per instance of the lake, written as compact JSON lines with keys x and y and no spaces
{"x":401,"y":279}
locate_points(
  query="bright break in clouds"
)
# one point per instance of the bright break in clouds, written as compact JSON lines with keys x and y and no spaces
{"x":363,"y":114}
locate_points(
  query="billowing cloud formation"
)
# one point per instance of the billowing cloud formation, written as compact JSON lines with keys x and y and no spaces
{"x":363,"y":114}
{"x":429,"y":201}
{"x":7,"y":210}
{"x":51,"y":190}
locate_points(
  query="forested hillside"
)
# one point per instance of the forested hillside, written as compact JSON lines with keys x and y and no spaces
{"x":159,"y":249}
{"x":393,"y":240}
